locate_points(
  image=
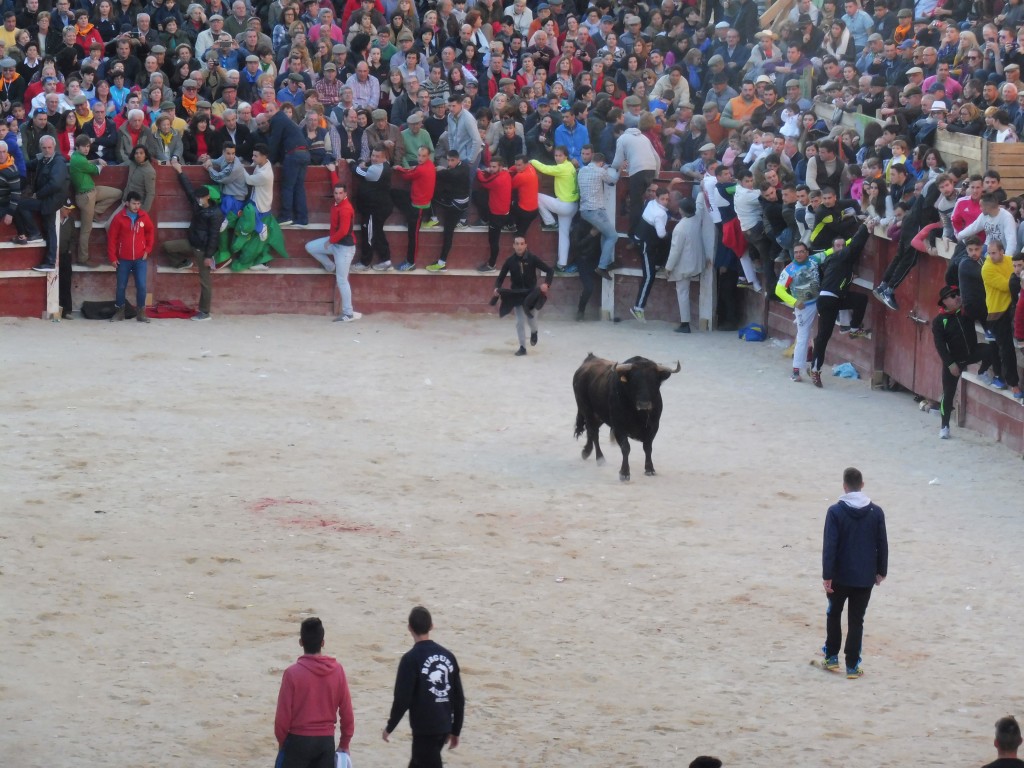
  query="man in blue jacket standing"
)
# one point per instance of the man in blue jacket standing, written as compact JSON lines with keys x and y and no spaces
{"x":854,"y":558}
{"x":288,"y":146}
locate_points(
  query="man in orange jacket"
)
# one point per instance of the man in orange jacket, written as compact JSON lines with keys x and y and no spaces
{"x":414,"y":203}
{"x":130,"y":239}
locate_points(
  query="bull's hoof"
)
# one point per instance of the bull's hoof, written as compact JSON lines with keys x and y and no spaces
{"x":649,"y":472}
{"x":623,"y":478}
{"x":585,"y":453}
{"x":600,"y":461}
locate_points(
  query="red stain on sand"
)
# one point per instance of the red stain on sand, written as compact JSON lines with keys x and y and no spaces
{"x":313,"y":522}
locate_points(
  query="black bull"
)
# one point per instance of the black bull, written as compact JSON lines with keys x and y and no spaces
{"x":625,"y":396}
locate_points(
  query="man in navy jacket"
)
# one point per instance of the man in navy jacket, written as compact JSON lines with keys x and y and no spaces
{"x":854,"y":558}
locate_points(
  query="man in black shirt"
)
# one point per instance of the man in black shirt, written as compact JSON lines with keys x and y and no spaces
{"x":429,"y":687}
{"x":524,"y":295}
{"x":1007,"y":742}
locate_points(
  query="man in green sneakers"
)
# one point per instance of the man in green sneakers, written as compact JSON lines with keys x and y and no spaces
{"x":854,"y":558}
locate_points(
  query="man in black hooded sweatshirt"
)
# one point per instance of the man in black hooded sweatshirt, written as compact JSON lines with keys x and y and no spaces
{"x":854,"y":558}
{"x":429,"y":687}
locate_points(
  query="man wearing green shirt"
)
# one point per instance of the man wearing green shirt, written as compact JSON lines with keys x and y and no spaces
{"x":92,"y":200}
{"x":415,"y":137}
{"x":563,"y":205}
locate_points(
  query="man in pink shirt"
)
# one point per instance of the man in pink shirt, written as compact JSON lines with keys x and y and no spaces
{"x":314,"y":696}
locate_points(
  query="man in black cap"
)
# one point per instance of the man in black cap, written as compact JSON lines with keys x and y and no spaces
{"x":956,"y":341}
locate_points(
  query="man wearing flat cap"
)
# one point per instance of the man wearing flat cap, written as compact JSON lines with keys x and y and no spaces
{"x":205,"y":40}
{"x":381,"y":132}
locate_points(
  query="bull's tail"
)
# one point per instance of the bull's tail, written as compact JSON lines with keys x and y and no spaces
{"x":581,"y":425}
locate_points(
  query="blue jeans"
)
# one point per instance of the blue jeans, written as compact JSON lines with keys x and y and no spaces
{"x":293,"y":187}
{"x":124,"y":269}
{"x":598,"y":218}
{"x":336,"y":258}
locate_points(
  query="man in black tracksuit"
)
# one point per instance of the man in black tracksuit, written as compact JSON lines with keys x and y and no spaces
{"x":202,"y":242}
{"x":854,"y":558}
{"x":956,"y":341}
{"x":451,"y":195}
{"x":525,"y":295}
{"x":374,"y":203}
{"x":973,"y":305}
{"x":429,"y":687}
{"x":833,"y":219}
{"x":836,"y":277}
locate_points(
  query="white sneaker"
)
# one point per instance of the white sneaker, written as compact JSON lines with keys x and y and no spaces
{"x":944,"y":433}
{"x":259,"y":268}
{"x":348,"y":318}
{"x":384,"y":266}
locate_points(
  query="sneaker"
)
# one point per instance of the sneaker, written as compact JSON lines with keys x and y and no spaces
{"x":879,"y":291}
{"x":509,"y":228}
{"x":429,"y":224}
{"x":37,"y":240}
{"x":944,"y":433}
{"x":485,"y":267}
{"x":358,"y":267}
{"x":186,"y":265}
{"x":549,"y":227}
{"x":852,"y":673}
{"x":533,"y":339}
{"x":1018,"y":395}
{"x":830,"y":662}
{"x":795,"y":375}
{"x":860,"y":333}
{"x":406,"y":266}
{"x":201,"y":316}
{"x":383,"y":266}
{"x":683,"y":328}
{"x":889,"y":299}
{"x":348,"y":318}
{"x":638,"y":314}
{"x":284,"y":222}
{"x":570,"y":269}
{"x":989,"y":336}
{"x":986,"y":378}
{"x":259,"y":268}
{"x":521,"y":351}
{"x":44,"y":267}
{"x":816,"y":378}
{"x":463,"y":223}
{"x":843,"y":328}
{"x":439,"y":267}
{"x":997,"y":383}
{"x":603,"y":273}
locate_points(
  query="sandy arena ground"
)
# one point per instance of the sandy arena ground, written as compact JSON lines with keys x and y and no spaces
{"x":177,"y":497}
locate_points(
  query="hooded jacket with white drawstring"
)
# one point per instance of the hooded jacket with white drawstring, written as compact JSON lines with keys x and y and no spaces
{"x":855,"y":547}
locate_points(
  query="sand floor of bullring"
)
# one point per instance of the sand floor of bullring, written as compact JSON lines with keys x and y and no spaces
{"x":177,"y":497}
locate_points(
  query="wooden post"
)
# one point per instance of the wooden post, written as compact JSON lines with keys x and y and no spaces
{"x":53,"y":283}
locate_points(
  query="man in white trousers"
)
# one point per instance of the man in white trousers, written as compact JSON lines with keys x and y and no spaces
{"x":689,"y":254}
{"x":798,"y":286}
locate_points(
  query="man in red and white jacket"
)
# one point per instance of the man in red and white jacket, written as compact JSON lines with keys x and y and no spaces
{"x":336,"y":251}
{"x":130,"y":239}
{"x":414,"y":203}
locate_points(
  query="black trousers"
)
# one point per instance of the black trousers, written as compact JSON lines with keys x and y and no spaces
{"x":26,"y":225}
{"x":1002,"y":328}
{"x":586,"y":264}
{"x":858,"y":598}
{"x":495,"y":223}
{"x":902,"y":262}
{"x":448,"y":216}
{"x":522,"y":219}
{"x":828,"y":311}
{"x":67,"y":237}
{"x":413,"y":220}
{"x":426,"y":750}
{"x":372,"y":234}
{"x":765,"y":249}
{"x":636,"y":186}
{"x":306,"y":752}
{"x":950,"y":382}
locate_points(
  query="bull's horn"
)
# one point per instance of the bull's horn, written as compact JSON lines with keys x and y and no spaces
{"x":623,"y":367}
{"x":666,"y":369}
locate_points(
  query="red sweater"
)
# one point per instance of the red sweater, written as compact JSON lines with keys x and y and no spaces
{"x":422,"y":180}
{"x":342,"y":218}
{"x":130,"y":241}
{"x":499,"y":188}
{"x":526,"y":185}
{"x":314,"y":696}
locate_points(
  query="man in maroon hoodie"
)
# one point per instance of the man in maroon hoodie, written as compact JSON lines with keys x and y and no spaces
{"x":314,"y":696}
